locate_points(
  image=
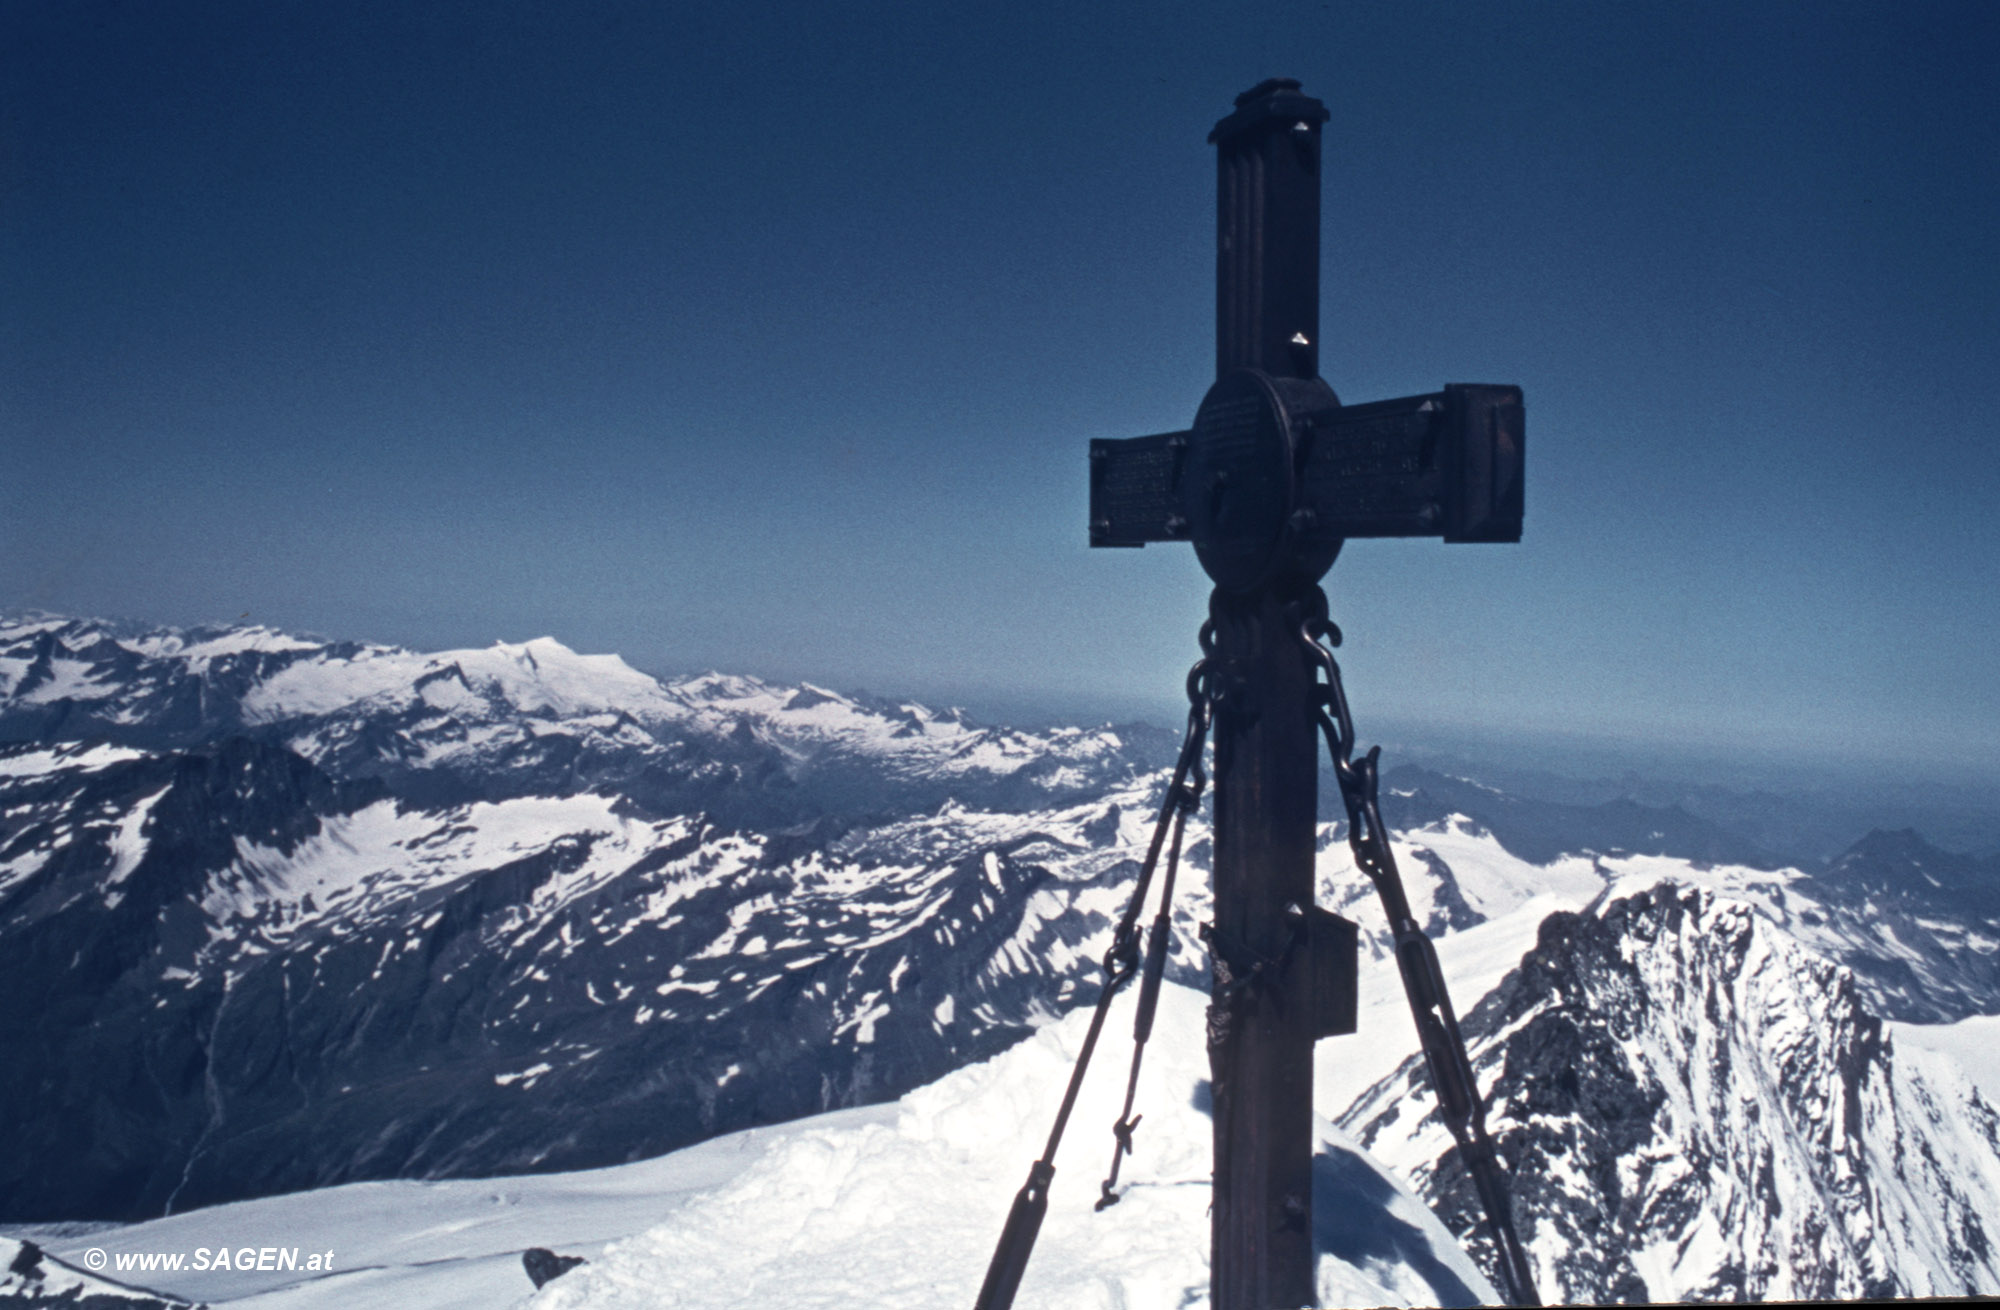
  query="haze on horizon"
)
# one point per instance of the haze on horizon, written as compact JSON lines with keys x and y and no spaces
{"x":772,"y":342}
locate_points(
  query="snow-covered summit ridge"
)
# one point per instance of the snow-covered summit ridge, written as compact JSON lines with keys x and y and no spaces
{"x":902,"y":1214}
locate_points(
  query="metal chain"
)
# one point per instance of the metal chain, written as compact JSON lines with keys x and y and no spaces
{"x":1184,"y":800}
{"x":1451,"y":1073}
{"x":1031,"y":1203}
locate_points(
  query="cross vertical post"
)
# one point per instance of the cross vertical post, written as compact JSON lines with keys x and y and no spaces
{"x":1267,"y":232}
{"x":1266,"y":747}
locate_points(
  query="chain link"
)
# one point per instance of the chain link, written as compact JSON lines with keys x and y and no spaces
{"x":1451,"y":1074}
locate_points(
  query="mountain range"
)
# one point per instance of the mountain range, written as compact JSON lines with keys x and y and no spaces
{"x":279,"y":914}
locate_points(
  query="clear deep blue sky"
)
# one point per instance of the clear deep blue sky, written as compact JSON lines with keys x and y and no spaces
{"x":769,"y":337}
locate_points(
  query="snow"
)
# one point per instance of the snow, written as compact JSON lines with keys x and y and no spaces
{"x":359,"y":863}
{"x":1474,"y":960}
{"x":128,"y":842}
{"x":526,"y":1076}
{"x":902,"y":1213}
{"x":210,"y":646}
{"x":1786,"y":1156}
{"x":891,"y":1207}
{"x":364,"y":864}
{"x":1973,"y":1045}
{"x":453,"y":1245}
{"x":865,"y":1019}
{"x":69,"y":680}
{"x":1494,"y":881}
{"x":540,"y":677}
{"x":57,"y":1284}
{"x":22,"y":867}
{"x":34,"y":763}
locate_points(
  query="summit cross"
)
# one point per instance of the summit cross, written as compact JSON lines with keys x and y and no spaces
{"x":1272,"y":477}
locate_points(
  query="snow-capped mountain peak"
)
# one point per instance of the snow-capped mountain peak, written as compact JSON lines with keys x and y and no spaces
{"x":534,"y":718}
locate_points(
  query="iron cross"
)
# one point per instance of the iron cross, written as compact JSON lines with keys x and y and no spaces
{"x":1272,"y":477}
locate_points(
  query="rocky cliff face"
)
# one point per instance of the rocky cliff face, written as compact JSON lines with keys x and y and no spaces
{"x":1696,"y":1107}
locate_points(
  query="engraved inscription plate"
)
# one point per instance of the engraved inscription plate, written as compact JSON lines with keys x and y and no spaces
{"x":1373,"y":470}
{"x":1134,"y":491}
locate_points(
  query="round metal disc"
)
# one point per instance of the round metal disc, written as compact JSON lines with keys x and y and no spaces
{"x":1237,"y":487}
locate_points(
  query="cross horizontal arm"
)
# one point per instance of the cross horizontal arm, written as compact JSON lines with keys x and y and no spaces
{"x":1448,"y":464}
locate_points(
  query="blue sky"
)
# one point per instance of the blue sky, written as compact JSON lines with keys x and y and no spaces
{"x":771,"y":337}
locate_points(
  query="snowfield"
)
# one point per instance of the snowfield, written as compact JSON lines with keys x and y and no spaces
{"x":894,"y":1206}
{"x":897,"y":1206}
{"x":903,"y":1214}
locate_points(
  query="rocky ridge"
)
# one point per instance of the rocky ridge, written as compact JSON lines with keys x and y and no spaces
{"x":1694,"y":1106}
